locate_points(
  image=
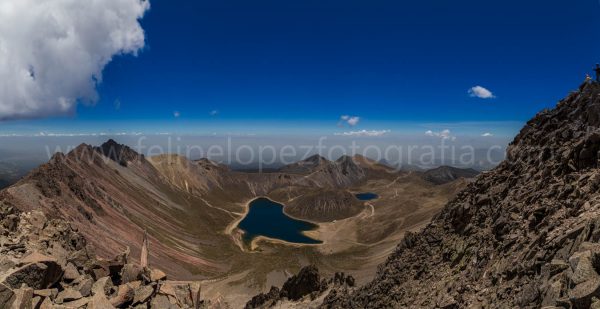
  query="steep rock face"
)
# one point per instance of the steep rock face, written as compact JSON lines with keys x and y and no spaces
{"x":522,"y":235}
{"x":119,"y":153}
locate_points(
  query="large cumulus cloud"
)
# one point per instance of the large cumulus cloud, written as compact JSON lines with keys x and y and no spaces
{"x":52,"y":52}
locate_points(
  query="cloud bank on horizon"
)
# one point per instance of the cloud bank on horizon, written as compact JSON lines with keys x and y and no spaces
{"x":55,"y":56}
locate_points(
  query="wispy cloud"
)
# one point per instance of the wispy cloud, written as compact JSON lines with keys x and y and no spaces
{"x":444,"y":134}
{"x":176,"y":114}
{"x":481,"y":92}
{"x":214,"y":112}
{"x":349,"y":120}
{"x":371,"y":133}
{"x":487,"y":134}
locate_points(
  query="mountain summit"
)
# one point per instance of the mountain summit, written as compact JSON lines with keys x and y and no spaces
{"x":525,"y":234}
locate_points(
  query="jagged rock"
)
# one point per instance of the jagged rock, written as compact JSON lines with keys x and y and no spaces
{"x":35,"y":275}
{"x":84,"y":285}
{"x":36,"y":302}
{"x":23,"y":298}
{"x":102,"y":286}
{"x":183,"y":293}
{"x":142,"y":294}
{"x":67,"y":296}
{"x":99,"y":301}
{"x":80,"y":303}
{"x":47,"y":304}
{"x":307,"y":281}
{"x":524,"y":234}
{"x":7,"y":296}
{"x":581,"y":296}
{"x":162,"y":301}
{"x":36,"y":257}
{"x":131,"y":272}
{"x":157,"y":274}
{"x":100,"y":269}
{"x":264,"y":300}
{"x":71,"y":272}
{"x":124,"y":295}
{"x":47,"y":293}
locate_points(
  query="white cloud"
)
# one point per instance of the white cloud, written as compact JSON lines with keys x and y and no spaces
{"x":480,"y":92}
{"x":349,"y":120}
{"x":176,"y":114}
{"x":353,"y":121}
{"x":364,"y":133}
{"x":444,"y":134}
{"x":487,"y":134}
{"x":52,"y":52}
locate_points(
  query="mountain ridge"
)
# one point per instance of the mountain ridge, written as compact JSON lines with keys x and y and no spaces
{"x":524,"y":234}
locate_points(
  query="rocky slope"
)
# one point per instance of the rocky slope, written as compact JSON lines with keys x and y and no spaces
{"x":305,"y":166}
{"x":446,"y":174}
{"x":324,"y":205}
{"x":525,"y":234}
{"x":48,"y":264}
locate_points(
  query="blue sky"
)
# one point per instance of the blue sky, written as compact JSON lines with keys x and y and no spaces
{"x":278,"y":67}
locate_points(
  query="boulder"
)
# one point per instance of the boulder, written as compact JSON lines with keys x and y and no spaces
{"x":47,"y":293}
{"x":264,"y":299}
{"x":99,"y":301}
{"x":36,"y":302}
{"x":35,"y":275}
{"x":581,"y":295}
{"x":156,"y":275}
{"x":23,"y":298}
{"x":305,"y":282}
{"x":36,"y":257}
{"x":102,"y":287}
{"x":131,"y":272}
{"x":162,"y":301}
{"x":67,"y":295}
{"x":80,"y":303}
{"x":84,"y":285}
{"x":124,"y":295}
{"x":142,"y":294}
{"x":71,"y":272}
{"x":7,"y":296}
{"x":181,"y":292}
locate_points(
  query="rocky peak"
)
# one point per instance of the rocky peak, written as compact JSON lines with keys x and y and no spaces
{"x":119,"y":153}
{"x":315,"y":159}
{"x":522,"y":235}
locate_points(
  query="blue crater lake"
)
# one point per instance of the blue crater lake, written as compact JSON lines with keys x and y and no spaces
{"x":266,"y":218}
{"x":366,"y":196}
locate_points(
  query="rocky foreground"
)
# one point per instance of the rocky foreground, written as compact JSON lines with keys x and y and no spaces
{"x":47,"y":264}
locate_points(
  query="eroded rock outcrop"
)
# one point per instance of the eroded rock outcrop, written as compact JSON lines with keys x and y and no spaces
{"x":47,"y":264}
{"x":307,"y":286}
